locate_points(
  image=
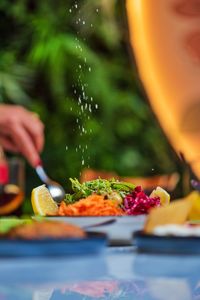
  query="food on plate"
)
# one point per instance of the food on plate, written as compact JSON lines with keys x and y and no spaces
{"x":162,"y":194}
{"x":137,"y":202}
{"x":117,"y":198}
{"x":177,"y":230}
{"x":178,"y":212}
{"x":93,"y":205}
{"x":99,"y":197}
{"x":37,"y":230}
{"x":42,"y":202}
{"x":111,"y":189}
{"x":8,"y":223}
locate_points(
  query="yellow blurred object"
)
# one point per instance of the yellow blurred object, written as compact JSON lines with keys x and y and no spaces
{"x":195,"y":210}
{"x":178,"y":212}
{"x":166,"y":43}
{"x":42,"y":202}
{"x":175,"y":213}
{"x":162,"y":194}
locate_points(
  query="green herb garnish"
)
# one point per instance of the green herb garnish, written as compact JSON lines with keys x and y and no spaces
{"x":98,"y":186}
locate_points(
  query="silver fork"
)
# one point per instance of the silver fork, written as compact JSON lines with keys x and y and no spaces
{"x":56,"y":190}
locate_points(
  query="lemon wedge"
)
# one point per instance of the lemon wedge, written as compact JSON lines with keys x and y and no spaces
{"x":164,"y":196}
{"x":42,"y":202}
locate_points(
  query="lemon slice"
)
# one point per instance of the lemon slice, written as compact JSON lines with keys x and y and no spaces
{"x":42,"y":202}
{"x":164,"y":196}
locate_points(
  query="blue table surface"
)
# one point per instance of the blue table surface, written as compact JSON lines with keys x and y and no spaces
{"x":116,"y":273}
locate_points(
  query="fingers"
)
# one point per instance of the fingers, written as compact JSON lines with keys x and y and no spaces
{"x":35,"y":129}
{"x":8,"y":144}
{"x":21,"y":130}
{"x":26,"y":145}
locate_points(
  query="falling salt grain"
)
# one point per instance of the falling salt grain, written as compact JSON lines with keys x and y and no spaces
{"x":83,"y":162}
{"x":89,"y":69}
{"x":96,"y":106}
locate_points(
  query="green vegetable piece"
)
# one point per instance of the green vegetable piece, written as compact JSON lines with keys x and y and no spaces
{"x":98,"y":186}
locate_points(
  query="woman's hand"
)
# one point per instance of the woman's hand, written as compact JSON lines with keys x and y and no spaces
{"x":21,"y":131}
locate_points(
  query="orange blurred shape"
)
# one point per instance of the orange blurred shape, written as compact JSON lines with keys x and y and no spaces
{"x":166,"y":181}
{"x":12,"y":203}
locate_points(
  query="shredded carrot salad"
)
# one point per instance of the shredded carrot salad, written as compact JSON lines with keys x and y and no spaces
{"x":94,"y":205}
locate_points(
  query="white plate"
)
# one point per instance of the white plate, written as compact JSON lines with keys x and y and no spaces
{"x":82,"y":221}
{"x":119,"y":233}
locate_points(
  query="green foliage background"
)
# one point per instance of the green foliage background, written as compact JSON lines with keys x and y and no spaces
{"x":70,"y":62}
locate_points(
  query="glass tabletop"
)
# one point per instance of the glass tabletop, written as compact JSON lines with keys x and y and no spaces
{"x":117,"y":273}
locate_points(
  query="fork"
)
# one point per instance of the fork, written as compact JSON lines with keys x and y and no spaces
{"x":56,"y":190}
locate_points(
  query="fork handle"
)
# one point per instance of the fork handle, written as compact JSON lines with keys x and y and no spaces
{"x":41,"y":173}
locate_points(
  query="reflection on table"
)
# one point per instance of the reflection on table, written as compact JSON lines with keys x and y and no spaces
{"x":118,"y":273}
